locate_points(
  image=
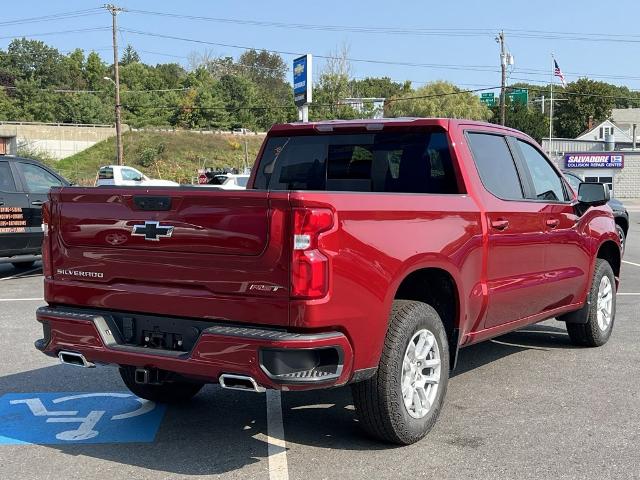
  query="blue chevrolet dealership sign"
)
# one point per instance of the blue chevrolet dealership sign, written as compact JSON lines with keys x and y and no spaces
{"x":302,"y":80}
{"x":594,"y":160}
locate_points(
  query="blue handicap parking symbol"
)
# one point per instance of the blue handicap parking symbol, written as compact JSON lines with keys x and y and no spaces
{"x":68,"y":417}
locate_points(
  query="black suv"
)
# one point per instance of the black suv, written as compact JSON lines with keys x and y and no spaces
{"x":24,"y":185}
{"x":619,"y":211}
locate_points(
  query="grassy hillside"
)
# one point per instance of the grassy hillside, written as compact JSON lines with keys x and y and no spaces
{"x":168,"y":155}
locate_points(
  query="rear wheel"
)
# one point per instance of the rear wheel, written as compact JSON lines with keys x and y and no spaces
{"x":600,"y":311}
{"x":402,"y":401}
{"x":166,"y":392}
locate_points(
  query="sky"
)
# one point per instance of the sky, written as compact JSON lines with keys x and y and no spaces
{"x":452,"y":41}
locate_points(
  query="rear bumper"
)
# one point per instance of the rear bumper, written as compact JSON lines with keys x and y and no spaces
{"x":219,"y":349}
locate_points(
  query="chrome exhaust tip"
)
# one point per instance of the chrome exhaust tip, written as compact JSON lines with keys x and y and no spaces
{"x":240,"y":382}
{"x":75,"y":359}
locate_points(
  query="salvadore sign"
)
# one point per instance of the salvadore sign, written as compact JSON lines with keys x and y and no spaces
{"x":594,"y":160}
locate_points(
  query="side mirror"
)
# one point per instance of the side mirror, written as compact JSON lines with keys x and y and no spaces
{"x":593,"y":194}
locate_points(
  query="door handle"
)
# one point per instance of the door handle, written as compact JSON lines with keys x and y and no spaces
{"x":37,"y":203}
{"x":500,"y":224}
{"x":1,"y":203}
{"x":553,"y":222}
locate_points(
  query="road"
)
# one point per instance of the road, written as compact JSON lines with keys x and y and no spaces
{"x":525,"y":405}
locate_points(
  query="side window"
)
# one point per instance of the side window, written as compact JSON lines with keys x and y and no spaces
{"x":37,"y":178}
{"x":573,"y":181}
{"x":130,"y":174}
{"x":105,"y":174}
{"x":495,"y":164}
{"x":7,"y":183}
{"x":546,"y":181}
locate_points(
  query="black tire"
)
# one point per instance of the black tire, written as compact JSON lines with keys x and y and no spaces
{"x":622,"y":235}
{"x":590,"y":334}
{"x":23,"y":265}
{"x":168,"y":392}
{"x":379,"y":402}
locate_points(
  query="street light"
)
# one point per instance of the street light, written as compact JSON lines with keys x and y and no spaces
{"x":119,"y":152}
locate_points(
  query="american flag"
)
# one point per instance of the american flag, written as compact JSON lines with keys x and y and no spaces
{"x":558,"y":73}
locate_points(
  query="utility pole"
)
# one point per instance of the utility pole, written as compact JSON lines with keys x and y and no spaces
{"x":503,"y":88}
{"x":114,"y":10}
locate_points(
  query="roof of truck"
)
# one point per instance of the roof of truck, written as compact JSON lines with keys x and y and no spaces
{"x":379,"y":123}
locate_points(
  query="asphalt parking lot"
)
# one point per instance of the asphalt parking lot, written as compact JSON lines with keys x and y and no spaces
{"x":525,"y":405}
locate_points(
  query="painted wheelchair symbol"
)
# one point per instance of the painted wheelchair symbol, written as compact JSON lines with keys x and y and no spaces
{"x":86,"y":427}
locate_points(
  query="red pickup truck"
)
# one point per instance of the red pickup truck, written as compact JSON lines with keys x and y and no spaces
{"x":364,"y":252}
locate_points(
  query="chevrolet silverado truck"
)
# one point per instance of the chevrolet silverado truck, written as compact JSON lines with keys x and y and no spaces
{"x":364,"y":252}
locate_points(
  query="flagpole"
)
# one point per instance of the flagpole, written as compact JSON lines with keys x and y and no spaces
{"x":553,"y":68}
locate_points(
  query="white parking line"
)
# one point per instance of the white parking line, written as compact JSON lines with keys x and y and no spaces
{"x":21,"y":274}
{"x":631,"y":263}
{"x":278,"y":469}
{"x":22,"y":299}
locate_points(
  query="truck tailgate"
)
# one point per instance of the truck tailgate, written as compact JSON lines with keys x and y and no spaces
{"x":194,"y":250}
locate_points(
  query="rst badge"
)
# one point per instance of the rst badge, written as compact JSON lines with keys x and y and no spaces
{"x":152,"y":231}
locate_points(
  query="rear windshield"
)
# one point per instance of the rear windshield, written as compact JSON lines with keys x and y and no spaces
{"x":105,"y":174}
{"x":410,"y":162}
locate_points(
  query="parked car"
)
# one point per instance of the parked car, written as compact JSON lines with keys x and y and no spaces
{"x":128,"y":176}
{"x":24,"y":185}
{"x":620,"y":213}
{"x":235,"y":182}
{"x":364,"y":252}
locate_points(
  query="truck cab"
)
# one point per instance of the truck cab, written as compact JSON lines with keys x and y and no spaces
{"x":119,"y":175}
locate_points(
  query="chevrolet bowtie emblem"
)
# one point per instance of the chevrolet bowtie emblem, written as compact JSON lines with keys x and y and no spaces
{"x":152,"y":231}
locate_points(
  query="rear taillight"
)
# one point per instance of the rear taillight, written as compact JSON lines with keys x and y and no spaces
{"x":310,"y":267}
{"x":46,"y":240}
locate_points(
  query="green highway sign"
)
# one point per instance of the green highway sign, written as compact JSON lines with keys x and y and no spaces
{"x":518,"y":95}
{"x":489,"y":99}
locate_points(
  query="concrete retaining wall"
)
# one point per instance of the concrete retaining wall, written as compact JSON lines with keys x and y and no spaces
{"x":55,"y":140}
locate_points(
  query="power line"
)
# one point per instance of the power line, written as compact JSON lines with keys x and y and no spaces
{"x":61,"y":32}
{"x":479,"y":68}
{"x":460,"y":32}
{"x":52,"y":17}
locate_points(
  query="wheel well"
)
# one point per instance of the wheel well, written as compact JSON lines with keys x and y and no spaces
{"x":436,"y":288}
{"x":623,"y":223}
{"x":610,"y":252}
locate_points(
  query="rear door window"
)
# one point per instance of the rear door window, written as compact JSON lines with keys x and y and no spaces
{"x":496,"y":166}
{"x":7,"y":183}
{"x":413,"y":162}
{"x":38,"y":179}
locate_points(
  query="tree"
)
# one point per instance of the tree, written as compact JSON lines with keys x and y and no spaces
{"x":438,"y":99}
{"x":8,"y":108}
{"x":584,"y":98}
{"x":383,"y":87}
{"x":95,"y":70}
{"x":524,"y":118}
{"x":333,"y":88}
{"x":82,"y":108}
{"x":129,"y":56}
{"x":238,"y":95}
{"x":34,"y":60}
